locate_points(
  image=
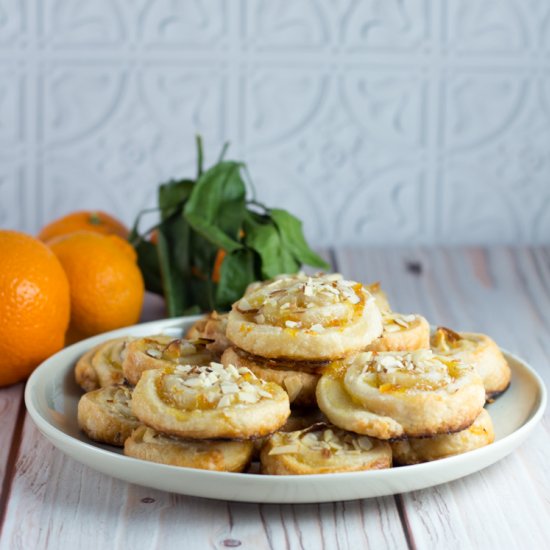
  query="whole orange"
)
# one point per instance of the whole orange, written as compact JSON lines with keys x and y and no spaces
{"x":84,"y":220}
{"x":34,"y":305}
{"x":106,"y":284}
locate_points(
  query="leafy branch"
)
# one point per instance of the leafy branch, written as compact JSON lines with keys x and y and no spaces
{"x":211,"y":242}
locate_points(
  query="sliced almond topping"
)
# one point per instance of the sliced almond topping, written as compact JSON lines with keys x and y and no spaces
{"x":187,"y":348}
{"x":285,"y":449}
{"x":310,"y":439}
{"x":219,"y":384}
{"x":365,"y":443}
{"x":229,"y":387}
{"x":245,"y":305}
{"x":194,"y":382}
{"x":388,"y":361}
{"x":225,"y":401}
{"x":246,"y":397}
{"x":183,"y":369}
{"x":231,"y":369}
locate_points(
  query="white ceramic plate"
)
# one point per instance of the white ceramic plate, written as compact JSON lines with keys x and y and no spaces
{"x":52,"y":396}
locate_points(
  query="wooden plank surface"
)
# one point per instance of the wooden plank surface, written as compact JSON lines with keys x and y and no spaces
{"x":12,"y":413}
{"x":55,"y":502}
{"x":505,"y":293}
{"x":58,"y":503}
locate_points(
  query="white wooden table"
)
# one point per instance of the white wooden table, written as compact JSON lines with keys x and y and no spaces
{"x":50,"y":501}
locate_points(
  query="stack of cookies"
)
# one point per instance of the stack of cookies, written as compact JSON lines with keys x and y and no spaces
{"x":108,"y":373}
{"x":288,"y":330}
{"x":394,"y":395}
{"x":313,"y":374}
{"x":400,"y":331}
{"x":185,"y":408}
{"x":204,"y":416}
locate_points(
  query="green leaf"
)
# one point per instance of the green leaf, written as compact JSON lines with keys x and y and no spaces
{"x":173,"y":254}
{"x":135,"y":235}
{"x":265,"y":239}
{"x":200,"y":218}
{"x":148,"y":263}
{"x":147,"y":257}
{"x":172,"y":195}
{"x":292,"y":236}
{"x":223,"y":151}
{"x":237,"y":272}
{"x":200,"y":285}
{"x":192,"y":310}
{"x":200,"y":160}
{"x":216,"y":206}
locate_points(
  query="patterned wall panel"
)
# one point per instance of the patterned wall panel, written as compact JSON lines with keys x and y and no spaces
{"x":375,"y":121}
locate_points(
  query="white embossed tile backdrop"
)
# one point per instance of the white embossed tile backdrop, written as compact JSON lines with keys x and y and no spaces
{"x":375,"y":121}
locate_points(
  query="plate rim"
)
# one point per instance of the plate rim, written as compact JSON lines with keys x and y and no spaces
{"x":56,"y":435}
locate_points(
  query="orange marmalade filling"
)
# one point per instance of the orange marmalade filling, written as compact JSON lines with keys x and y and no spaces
{"x":117,"y":365}
{"x":336,"y":369}
{"x":180,"y":351}
{"x":403,"y":388}
{"x":448,"y":342}
{"x":301,"y":302}
{"x":399,"y":372}
{"x":176,"y":348}
{"x":118,"y":400}
{"x":395,"y":322}
{"x":113,"y":357}
{"x":319,"y":443}
{"x":477,"y":430}
{"x":214,"y":386}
